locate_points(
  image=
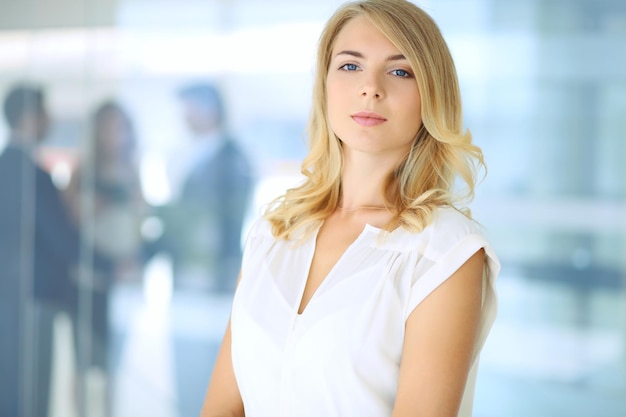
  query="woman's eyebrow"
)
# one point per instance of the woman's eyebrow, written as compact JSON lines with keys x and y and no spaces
{"x":357,"y":54}
{"x":351,"y":53}
{"x":398,"y":57}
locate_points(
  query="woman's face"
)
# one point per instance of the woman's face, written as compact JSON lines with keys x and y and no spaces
{"x":374,"y":104}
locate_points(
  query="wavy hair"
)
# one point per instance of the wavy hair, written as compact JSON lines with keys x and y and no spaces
{"x":442,"y":151}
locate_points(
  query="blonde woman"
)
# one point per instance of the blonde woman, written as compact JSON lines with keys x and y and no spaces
{"x":366,"y":291}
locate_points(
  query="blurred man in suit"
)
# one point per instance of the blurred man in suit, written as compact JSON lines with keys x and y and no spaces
{"x":211,"y":183}
{"x":39,"y":248}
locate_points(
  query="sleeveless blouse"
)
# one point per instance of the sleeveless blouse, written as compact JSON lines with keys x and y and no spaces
{"x":341,"y":356}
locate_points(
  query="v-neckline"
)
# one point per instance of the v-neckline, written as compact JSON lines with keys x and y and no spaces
{"x":313,"y":247}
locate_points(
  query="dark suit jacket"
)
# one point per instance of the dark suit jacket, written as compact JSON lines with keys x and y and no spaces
{"x":208,"y":217}
{"x":38,"y":246}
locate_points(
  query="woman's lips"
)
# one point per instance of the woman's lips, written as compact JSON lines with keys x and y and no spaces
{"x":368,"y":118}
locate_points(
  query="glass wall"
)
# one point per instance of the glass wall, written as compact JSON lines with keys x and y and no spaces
{"x":129,"y":89}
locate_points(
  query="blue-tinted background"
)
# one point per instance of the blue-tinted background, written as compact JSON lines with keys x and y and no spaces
{"x":544,"y":89}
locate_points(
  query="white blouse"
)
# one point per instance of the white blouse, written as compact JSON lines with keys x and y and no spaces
{"x":341,"y":356}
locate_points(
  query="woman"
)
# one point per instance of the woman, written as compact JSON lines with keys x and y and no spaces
{"x":106,"y":183}
{"x":364,"y":291}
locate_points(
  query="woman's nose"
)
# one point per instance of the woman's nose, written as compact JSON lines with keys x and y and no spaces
{"x":372,"y":87}
{"x":372,"y":91}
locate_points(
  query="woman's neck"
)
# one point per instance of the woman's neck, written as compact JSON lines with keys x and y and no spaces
{"x":362,"y":186}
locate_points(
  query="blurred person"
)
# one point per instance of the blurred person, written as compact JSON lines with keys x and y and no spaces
{"x":40,"y":250}
{"x":211,"y":182}
{"x":368,"y":290}
{"x":108,"y":176}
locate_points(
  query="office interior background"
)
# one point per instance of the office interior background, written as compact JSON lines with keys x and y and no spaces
{"x":544,"y":91}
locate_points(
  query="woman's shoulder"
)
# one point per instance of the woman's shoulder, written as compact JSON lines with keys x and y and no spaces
{"x":451,"y":227}
{"x":448,"y":227}
{"x":259,"y":226}
{"x":450,"y":220}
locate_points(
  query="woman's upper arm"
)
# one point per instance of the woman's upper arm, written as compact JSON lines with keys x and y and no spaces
{"x":223,"y":398}
{"x":439,"y":345}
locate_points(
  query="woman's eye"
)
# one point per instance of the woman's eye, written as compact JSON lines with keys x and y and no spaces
{"x":401,"y":73}
{"x":349,"y":67}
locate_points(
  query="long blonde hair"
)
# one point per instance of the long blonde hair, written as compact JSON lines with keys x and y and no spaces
{"x":442,"y":151}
